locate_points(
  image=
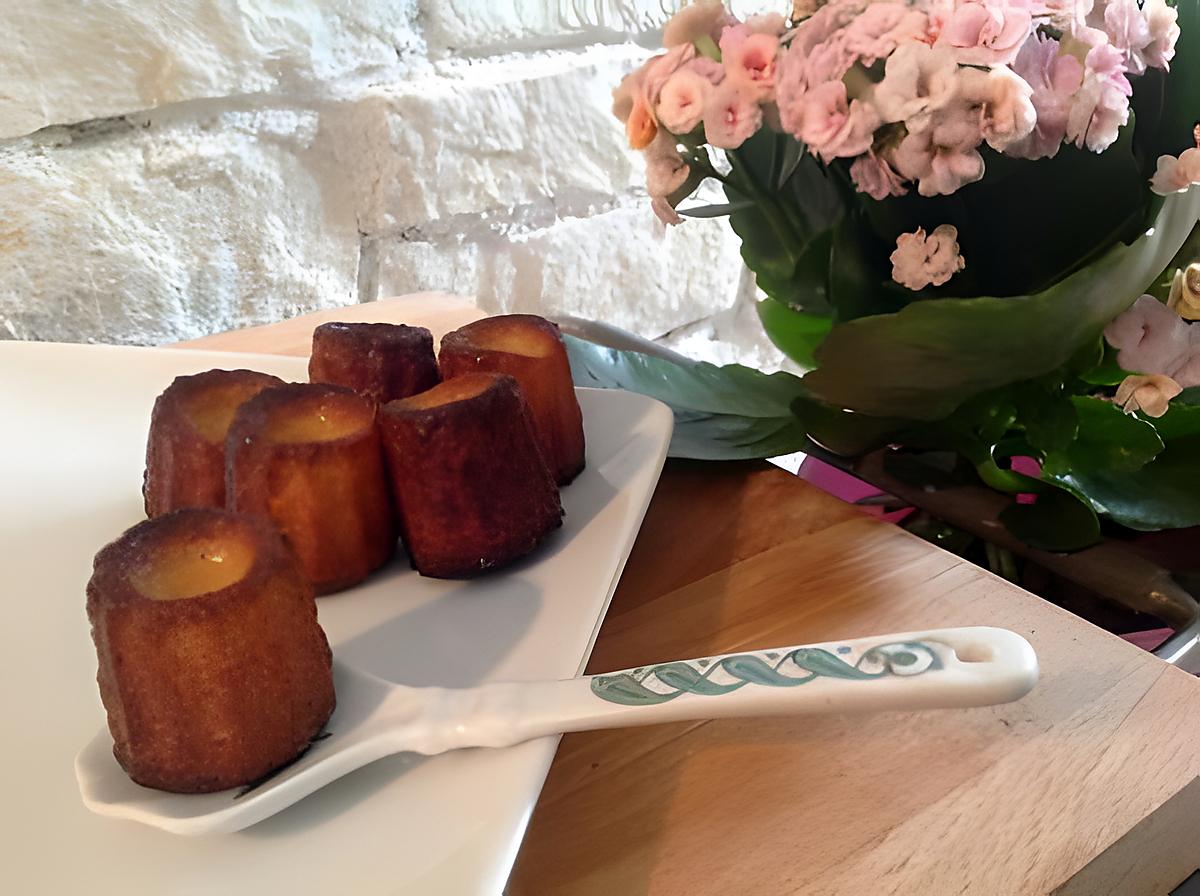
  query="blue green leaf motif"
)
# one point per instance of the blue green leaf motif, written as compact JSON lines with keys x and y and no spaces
{"x":675,"y":679}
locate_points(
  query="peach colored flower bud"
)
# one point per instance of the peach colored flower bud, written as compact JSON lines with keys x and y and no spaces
{"x":1149,"y":394}
{"x":641,"y":127}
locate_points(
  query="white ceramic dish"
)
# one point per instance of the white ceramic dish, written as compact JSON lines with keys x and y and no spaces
{"x":74,"y":427}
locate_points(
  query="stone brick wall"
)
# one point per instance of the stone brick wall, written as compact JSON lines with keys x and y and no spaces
{"x":173,"y":169}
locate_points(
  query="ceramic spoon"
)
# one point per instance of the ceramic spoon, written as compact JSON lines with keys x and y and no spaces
{"x":948,"y":668}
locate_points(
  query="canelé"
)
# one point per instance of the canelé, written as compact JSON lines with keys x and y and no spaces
{"x":308,"y":456}
{"x":529,"y":349}
{"x":472,"y":489}
{"x":379,"y":361}
{"x":185,"y":454}
{"x":212,"y":666}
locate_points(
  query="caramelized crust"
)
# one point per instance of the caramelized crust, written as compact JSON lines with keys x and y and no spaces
{"x":529,"y":349}
{"x":212,"y":666}
{"x":308,"y":456}
{"x":378,"y":361}
{"x":185,"y":453}
{"x":471,"y":486}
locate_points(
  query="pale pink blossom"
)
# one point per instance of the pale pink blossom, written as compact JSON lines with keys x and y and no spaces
{"x":1055,"y":78}
{"x":939,"y":168}
{"x":1164,"y":33}
{"x":749,"y":59}
{"x":1129,"y":32}
{"x":835,"y":127}
{"x":1066,"y":15}
{"x":1174,"y":175}
{"x":661,"y":67}
{"x":627,"y":92}
{"x":731,"y":116}
{"x":1003,"y":103}
{"x":1149,"y":394}
{"x":682,"y":100}
{"x":874,"y":176}
{"x":920,"y":261}
{"x":986,"y":33}
{"x":1151,"y":338}
{"x":666,"y":171}
{"x":880,"y":28}
{"x":1101,"y":106}
{"x":664,"y":211}
{"x":702,"y":19}
{"x":917,"y":81}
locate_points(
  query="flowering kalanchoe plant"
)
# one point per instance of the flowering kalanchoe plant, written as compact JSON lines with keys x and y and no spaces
{"x":949,"y":204}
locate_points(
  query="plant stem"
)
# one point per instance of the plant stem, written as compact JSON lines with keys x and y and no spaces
{"x":1008,"y":481}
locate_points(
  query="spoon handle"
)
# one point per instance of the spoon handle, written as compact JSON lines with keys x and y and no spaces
{"x":940,"y":669}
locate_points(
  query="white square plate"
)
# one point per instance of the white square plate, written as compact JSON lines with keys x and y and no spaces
{"x":74,"y":427}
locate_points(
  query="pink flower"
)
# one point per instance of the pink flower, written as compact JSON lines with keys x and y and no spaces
{"x":940,"y":168}
{"x":920,"y":261}
{"x":1006,"y":112}
{"x":917,"y":82}
{"x":1068,"y":16}
{"x":834,"y":127}
{"x":749,"y":60}
{"x":881,"y":28}
{"x":702,"y":19}
{"x":731,"y":116}
{"x":875,"y":177}
{"x":986,"y":33}
{"x":661,"y":67}
{"x":1174,"y":175}
{"x":1055,"y":78}
{"x":1151,"y":338}
{"x":1128,"y":30}
{"x":1101,"y":106}
{"x":1164,"y":33}
{"x":664,"y":211}
{"x":682,"y":100}
{"x":666,"y":171}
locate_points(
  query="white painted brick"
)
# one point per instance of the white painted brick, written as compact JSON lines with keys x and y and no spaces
{"x":144,"y":236}
{"x":476,"y":26}
{"x":486,"y":137}
{"x":65,"y":61}
{"x":621,"y":267}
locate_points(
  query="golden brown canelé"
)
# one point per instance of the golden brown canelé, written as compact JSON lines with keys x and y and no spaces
{"x":185,"y":453}
{"x":308,"y":456}
{"x":529,"y":349}
{"x":472,"y":489}
{"x":379,"y":361}
{"x":212,"y":666}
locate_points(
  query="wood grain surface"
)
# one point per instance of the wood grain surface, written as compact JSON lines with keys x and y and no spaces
{"x":1090,"y":785}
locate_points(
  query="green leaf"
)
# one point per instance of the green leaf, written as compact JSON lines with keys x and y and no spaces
{"x":733,"y":437}
{"x":1163,"y":494}
{"x":1109,"y":439}
{"x":822,"y":662}
{"x":1051,"y":421}
{"x":924,"y":360}
{"x":795,"y":333}
{"x":793,"y":152}
{"x":721,"y":413}
{"x":1057,"y":521}
{"x":714,"y":211}
{"x":844,"y":433}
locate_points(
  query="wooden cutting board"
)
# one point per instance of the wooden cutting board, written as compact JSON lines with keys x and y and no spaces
{"x":1088,"y":786}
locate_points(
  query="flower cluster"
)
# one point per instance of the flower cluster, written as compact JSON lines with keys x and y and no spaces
{"x":905,"y":91}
